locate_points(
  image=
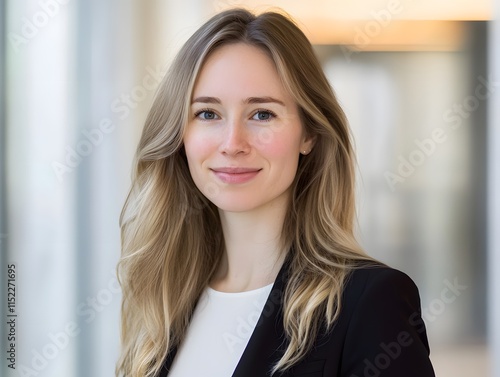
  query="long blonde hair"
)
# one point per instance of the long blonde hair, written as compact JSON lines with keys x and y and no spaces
{"x":172,"y":238}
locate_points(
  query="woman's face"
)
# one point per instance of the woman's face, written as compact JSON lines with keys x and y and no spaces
{"x":244,"y":133}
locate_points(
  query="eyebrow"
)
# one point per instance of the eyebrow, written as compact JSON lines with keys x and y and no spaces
{"x":250,"y":100}
{"x":206,"y":100}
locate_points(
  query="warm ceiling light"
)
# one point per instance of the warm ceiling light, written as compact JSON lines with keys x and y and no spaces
{"x":463,"y":10}
{"x":380,"y":25}
{"x":394,"y":36}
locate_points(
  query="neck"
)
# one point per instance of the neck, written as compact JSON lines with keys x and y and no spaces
{"x":253,"y":254}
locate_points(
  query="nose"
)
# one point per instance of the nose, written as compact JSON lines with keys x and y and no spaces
{"x":235,"y":139}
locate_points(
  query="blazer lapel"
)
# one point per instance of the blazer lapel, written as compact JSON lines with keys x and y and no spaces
{"x":267,"y":342}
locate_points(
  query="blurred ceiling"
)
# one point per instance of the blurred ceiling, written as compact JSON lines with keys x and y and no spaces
{"x":380,"y":25}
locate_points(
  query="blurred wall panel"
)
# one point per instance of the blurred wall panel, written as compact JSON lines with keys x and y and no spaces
{"x":419,"y":126}
{"x":493,"y":193}
{"x":40,"y":123}
{"x":107,"y":90}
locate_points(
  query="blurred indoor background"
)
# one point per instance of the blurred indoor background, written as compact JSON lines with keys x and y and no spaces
{"x":419,"y":81}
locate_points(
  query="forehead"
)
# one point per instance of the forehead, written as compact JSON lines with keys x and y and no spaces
{"x":239,"y":69}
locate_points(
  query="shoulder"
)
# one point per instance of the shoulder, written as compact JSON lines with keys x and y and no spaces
{"x":382,"y":284}
{"x":380,"y":298}
{"x":382,"y":321}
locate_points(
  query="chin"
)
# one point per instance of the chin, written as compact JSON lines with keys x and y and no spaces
{"x":240,"y":206}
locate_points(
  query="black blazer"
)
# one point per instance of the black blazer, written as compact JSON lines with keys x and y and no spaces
{"x":379,"y":333}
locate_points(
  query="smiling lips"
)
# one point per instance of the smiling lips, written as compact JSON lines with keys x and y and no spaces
{"x":235,"y":174}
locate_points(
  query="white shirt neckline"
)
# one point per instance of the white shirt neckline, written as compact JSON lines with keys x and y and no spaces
{"x":213,"y":291}
{"x":218,"y":334}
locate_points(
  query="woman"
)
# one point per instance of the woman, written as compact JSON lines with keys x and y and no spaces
{"x":239,"y":257}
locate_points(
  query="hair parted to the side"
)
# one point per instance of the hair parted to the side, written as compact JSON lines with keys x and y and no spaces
{"x":172,"y":239}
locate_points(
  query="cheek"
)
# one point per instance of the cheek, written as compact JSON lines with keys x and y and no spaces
{"x":282,"y":153}
{"x":197,"y":148}
{"x":276,"y":150}
{"x":279,"y":145}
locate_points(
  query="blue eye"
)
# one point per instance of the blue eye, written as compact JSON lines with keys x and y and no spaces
{"x":206,"y":115}
{"x":263,"y":115}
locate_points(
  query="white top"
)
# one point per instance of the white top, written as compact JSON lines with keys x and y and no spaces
{"x":219,"y":331}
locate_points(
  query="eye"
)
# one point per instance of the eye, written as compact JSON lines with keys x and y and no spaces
{"x":263,"y":115}
{"x":206,"y":114}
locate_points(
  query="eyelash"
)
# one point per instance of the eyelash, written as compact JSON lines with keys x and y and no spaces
{"x":199,"y":112}
{"x":258,"y":111}
{"x":264,"y":111}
